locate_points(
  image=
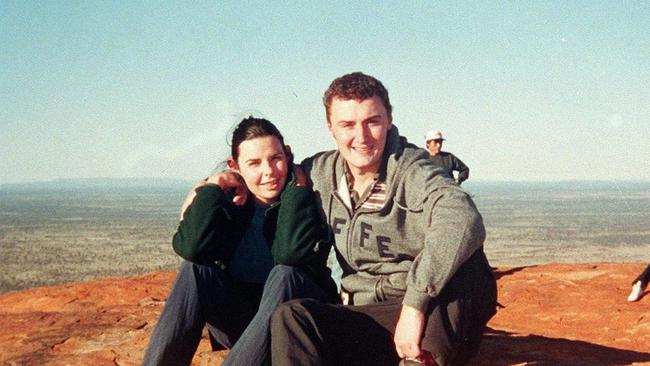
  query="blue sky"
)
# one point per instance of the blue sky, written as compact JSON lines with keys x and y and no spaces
{"x":522,"y":90}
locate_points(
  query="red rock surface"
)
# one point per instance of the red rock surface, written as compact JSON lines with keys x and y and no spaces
{"x":554,"y":314}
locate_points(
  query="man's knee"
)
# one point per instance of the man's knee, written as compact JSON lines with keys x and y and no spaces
{"x":279,"y":314}
{"x":287,"y":313}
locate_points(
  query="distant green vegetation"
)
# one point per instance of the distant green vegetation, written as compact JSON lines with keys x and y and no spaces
{"x":71,"y":232}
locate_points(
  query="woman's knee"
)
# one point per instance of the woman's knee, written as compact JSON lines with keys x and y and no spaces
{"x":194,"y":268}
{"x":202,"y":275}
{"x":284,"y":274}
{"x":186,"y":273}
{"x":284,"y":270}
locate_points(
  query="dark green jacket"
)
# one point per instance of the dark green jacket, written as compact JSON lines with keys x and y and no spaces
{"x":213,"y":226}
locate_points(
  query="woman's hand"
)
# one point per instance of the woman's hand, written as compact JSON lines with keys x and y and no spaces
{"x":225,"y":180}
{"x":230,"y":180}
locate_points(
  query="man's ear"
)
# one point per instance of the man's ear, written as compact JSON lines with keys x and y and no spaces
{"x":329,"y":126}
{"x":390,"y":121}
{"x":232,"y":164}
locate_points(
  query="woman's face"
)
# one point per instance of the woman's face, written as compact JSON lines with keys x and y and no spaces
{"x":263,"y":164}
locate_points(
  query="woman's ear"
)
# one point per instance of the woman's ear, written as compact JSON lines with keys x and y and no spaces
{"x":232,"y":164}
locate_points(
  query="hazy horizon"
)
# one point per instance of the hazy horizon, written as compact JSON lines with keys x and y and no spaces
{"x":182,"y":184}
{"x":524,"y":91}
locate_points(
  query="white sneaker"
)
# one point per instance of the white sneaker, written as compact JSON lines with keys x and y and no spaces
{"x":636,"y":292}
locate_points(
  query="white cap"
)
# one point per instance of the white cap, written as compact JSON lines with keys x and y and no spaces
{"x":433,"y":135}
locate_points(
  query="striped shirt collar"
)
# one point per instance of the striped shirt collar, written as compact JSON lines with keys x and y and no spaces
{"x":374,"y":196}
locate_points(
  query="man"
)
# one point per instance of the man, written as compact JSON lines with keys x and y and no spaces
{"x":447,"y":161}
{"x":410,"y":245}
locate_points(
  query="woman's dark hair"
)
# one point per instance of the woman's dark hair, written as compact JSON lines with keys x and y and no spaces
{"x":250,"y":128}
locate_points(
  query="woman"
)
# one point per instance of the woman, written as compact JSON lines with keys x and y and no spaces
{"x":252,"y":238}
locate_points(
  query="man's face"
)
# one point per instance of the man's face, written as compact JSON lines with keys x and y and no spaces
{"x":434,"y":147}
{"x":360,"y":129}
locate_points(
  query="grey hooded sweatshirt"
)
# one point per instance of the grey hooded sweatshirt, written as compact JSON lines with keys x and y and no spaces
{"x":411,"y":246}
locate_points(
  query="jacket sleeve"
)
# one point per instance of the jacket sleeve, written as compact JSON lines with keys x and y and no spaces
{"x":455,"y":231}
{"x":300,"y":236}
{"x":204,"y":236}
{"x":463,"y":170}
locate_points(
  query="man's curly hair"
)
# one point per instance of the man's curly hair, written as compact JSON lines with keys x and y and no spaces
{"x":356,"y":86}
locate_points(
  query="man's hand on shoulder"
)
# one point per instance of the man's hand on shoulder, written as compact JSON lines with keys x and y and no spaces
{"x":408,"y":332}
{"x":301,"y":179}
{"x":225,"y":180}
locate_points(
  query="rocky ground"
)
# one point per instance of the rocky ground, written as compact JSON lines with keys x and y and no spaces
{"x":554,"y":314}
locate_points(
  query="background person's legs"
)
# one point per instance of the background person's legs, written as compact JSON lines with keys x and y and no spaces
{"x":639,"y":285}
{"x":644,"y":277}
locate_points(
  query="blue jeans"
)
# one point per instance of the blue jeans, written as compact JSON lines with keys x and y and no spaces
{"x":237,"y":314}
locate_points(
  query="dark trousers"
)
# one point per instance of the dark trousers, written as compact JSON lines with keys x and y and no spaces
{"x":307,"y":332}
{"x":237,"y":314}
{"x":644,"y":277}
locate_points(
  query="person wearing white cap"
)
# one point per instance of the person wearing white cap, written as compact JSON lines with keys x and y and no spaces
{"x":447,"y":161}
